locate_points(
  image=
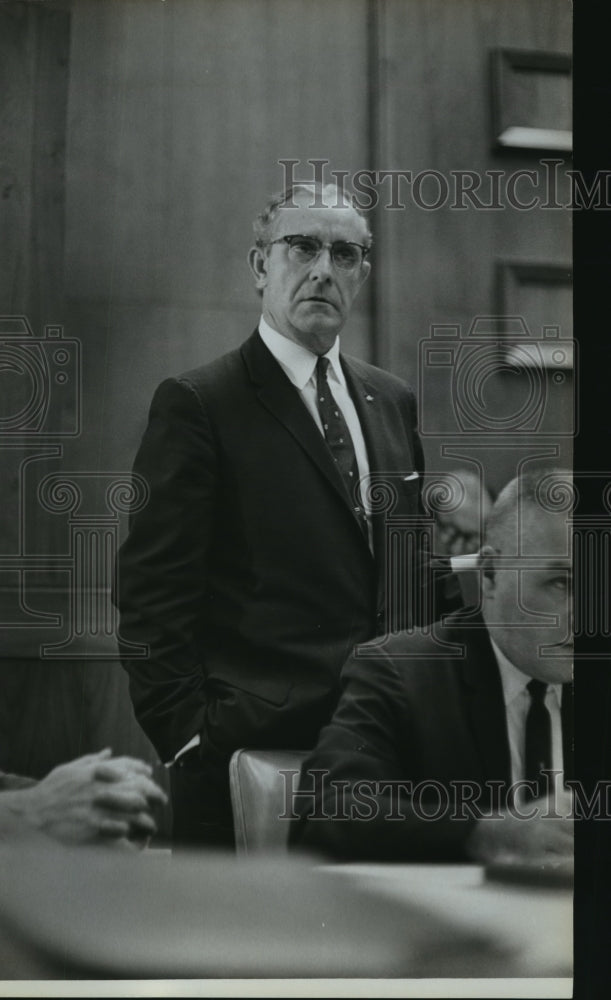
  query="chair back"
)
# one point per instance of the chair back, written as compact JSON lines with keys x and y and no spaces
{"x":260,"y":796}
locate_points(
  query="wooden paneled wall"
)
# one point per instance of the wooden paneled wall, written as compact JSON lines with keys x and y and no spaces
{"x":142,"y":139}
{"x":439,"y":266}
{"x":181,"y":115}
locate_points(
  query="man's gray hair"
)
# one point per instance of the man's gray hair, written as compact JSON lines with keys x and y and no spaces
{"x":263,"y":223}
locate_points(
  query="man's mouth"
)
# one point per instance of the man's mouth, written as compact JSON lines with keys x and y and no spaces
{"x":319,"y":298}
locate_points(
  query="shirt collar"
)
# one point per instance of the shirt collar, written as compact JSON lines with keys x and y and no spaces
{"x":513,"y":680}
{"x":298,"y":363}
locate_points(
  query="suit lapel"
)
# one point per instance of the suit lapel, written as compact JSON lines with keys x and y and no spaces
{"x":484,"y":702}
{"x":378,"y":424}
{"x":387,"y":452}
{"x":367,"y":406}
{"x":281,"y":398}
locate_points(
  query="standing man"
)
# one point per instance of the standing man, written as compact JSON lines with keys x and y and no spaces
{"x":256,"y":565}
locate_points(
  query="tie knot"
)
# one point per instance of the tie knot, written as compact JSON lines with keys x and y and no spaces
{"x":537,"y":690}
{"x":322,"y":366}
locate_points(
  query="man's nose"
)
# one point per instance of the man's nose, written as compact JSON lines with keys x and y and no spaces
{"x":322,"y":266}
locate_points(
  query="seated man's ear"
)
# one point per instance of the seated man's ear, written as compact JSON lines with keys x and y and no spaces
{"x":257,"y":261}
{"x":487,"y":569}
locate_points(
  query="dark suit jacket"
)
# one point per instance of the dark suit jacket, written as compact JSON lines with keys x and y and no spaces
{"x":409,"y":714}
{"x":247,"y":573}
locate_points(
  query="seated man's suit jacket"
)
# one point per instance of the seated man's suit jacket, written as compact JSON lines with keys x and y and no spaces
{"x":247,"y":574}
{"x":410,"y":712}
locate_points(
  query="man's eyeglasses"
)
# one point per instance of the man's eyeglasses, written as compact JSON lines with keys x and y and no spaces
{"x":303,"y":249}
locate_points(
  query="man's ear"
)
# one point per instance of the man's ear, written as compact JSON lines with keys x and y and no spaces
{"x":257,"y":261}
{"x":487,"y":569}
{"x":365,"y":269}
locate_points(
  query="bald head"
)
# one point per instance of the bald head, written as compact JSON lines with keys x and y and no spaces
{"x":527,"y":575}
{"x":523,"y":506}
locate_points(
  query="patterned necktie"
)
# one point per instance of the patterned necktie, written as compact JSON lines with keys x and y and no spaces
{"x":338,"y":438}
{"x":538,"y":749}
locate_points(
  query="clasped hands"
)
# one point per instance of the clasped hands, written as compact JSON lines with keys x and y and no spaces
{"x":94,"y":799}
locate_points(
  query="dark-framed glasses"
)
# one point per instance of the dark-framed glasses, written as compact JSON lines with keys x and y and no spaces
{"x":303,"y":249}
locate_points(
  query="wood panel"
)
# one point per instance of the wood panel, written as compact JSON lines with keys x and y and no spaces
{"x":179,"y":115}
{"x":438,"y":266}
{"x":34,"y":47}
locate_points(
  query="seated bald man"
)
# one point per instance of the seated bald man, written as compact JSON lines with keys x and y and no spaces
{"x":92,"y":800}
{"x":455,"y":744}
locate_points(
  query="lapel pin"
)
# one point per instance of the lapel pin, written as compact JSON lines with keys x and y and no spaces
{"x":369,"y":399}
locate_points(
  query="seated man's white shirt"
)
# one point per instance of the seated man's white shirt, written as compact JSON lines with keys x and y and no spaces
{"x":517,"y":702}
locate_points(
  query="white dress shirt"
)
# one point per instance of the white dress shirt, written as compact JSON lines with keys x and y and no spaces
{"x":299,"y":365}
{"x":517,"y":702}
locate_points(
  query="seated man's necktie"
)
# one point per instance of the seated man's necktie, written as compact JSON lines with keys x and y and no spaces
{"x":538,"y":747}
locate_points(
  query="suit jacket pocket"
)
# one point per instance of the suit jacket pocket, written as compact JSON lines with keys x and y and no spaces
{"x":242,"y":712}
{"x":234,"y":686}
